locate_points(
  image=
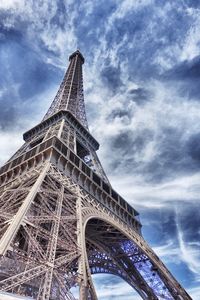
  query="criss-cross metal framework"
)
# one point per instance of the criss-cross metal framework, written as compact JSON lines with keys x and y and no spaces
{"x":60,"y":219}
{"x":70,"y":94}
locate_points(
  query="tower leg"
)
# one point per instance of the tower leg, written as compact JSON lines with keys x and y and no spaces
{"x":86,"y":287}
{"x":124,"y":252}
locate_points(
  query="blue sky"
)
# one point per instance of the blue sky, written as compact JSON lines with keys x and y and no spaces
{"x":142,"y":93}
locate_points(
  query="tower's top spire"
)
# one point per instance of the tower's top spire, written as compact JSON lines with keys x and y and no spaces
{"x":77,"y":53}
{"x":70,"y":94}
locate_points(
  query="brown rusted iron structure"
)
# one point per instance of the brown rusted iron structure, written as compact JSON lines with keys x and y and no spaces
{"x":60,"y":219}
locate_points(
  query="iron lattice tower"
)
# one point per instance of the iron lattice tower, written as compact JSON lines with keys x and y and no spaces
{"x":60,"y":219}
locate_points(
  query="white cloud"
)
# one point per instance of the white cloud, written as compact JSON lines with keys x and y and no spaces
{"x":113,"y":290}
{"x":134,"y":189}
{"x":168,"y":252}
{"x":10,"y":141}
{"x":189,"y":253}
{"x":126,"y":6}
{"x":192,"y":40}
{"x":11,"y":4}
{"x":194,"y":293}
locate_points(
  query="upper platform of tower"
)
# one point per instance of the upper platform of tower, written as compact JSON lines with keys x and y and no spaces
{"x":77,"y":53}
{"x":70,"y":96}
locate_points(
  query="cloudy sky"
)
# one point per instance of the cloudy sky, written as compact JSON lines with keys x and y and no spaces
{"x":142,"y":93}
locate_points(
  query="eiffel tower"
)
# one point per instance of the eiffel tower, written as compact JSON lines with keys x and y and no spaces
{"x":60,"y":219}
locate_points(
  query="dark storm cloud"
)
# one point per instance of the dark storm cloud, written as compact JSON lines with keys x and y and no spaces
{"x":94,"y":25}
{"x":119,"y":113}
{"x":161,"y":224}
{"x":186,"y":70}
{"x":23,"y":75}
{"x":193,"y":147}
{"x":139,"y":95}
{"x":171,"y":157}
{"x":58,"y":19}
{"x":123,"y":141}
{"x":111,"y":77}
{"x":126,"y":146}
{"x":192,"y":3}
{"x":8,"y":114}
{"x":41,"y":75}
{"x":174,"y":157}
{"x":187,"y":76}
{"x":189,"y":222}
